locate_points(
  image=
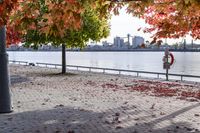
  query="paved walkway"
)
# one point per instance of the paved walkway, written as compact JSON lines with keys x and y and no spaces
{"x":45,"y":101}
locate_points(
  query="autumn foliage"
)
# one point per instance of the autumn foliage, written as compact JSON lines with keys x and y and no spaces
{"x":167,"y":18}
{"x":5,"y":9}
{"x":154,"y":88}
{"x":51,"y":17}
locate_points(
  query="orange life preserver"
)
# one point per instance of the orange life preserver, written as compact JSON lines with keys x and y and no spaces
{"x":172,"y":58}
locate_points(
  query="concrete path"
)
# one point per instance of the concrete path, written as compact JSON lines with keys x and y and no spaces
{"x":45,"y":101}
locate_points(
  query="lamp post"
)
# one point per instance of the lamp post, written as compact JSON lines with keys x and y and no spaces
{"x":5,"y":100}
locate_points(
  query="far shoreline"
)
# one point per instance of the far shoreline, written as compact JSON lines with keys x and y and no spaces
{"x":138,"y":50}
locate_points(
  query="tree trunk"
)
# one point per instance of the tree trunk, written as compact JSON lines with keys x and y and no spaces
{"x":63,"y":59}
{"x":5,"y":100}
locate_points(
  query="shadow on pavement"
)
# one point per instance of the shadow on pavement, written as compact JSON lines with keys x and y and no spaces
{"x":64,"y":119}
{"x":15,"y":79}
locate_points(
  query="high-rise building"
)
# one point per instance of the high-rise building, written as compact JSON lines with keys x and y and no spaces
{"x":118,"y":42}
{"x":137,"y":41}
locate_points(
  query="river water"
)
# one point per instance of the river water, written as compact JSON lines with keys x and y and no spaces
{"x":185,"y":62}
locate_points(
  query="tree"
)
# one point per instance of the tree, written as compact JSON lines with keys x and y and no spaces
{"x":169,"y":18}
{"x":142,"y":45}
{"x":52,"y":17}
{"x":93,"y":27}
{"x":19,"y":16}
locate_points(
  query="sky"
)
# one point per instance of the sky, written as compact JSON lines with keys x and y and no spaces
{"x":125,"y":23}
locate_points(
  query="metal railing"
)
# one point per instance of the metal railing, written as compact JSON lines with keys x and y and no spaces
{"x":107,"y":70}
{"x":18,"y":62}
{"x":119,"y":71}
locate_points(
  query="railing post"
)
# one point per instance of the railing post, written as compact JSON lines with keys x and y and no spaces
{"x":158,"y":75}
{"x":137,"y":74}
{"x":181,"y":78}
{"x":77,"y":68}
{"x":103,"y":70}
{"x":90,"y":69}
{"x":119,"y":72}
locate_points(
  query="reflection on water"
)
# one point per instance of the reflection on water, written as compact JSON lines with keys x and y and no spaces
{"x":185,"y":62}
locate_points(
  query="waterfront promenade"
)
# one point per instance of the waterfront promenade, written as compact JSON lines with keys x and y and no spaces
{"x":45,"y":101}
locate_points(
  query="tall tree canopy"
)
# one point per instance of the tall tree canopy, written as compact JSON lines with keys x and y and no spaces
{"x":93,"y":27}
{"x":91,"y":24}
{"x":168,"y":18}
{"x":52,"y":17}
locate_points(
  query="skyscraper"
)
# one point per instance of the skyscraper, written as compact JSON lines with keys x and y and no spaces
{"x":137,"y":41}
{"x":118,"y":42}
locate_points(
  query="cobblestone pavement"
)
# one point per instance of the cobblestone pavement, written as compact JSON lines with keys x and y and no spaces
{"x":45,"y":101}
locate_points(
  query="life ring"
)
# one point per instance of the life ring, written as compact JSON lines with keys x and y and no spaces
{"x":172,"y":58}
